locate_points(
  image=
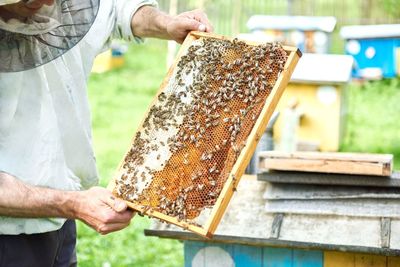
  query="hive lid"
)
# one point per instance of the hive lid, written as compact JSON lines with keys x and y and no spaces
{"x":302,"y":23}
{"x":323,"y":69}
{"x":370,"y":31}
{"x":328,"y":162}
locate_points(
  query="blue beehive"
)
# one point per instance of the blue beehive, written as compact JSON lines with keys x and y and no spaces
{"x":375,"y":49}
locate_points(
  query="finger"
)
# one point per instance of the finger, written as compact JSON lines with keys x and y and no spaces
{"x":203,"y":19}
{"x":202,"y":28}
{"x":112,"y":227}
{"x":191,"y":25}
{"x":115,"y":203}
{"x":182,"y":27}
{"x":119,"y":217}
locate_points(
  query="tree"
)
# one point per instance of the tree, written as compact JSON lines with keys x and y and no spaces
{"x":392,"y":7}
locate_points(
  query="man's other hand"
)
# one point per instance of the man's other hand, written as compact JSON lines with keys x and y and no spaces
{"x":99,"y":209}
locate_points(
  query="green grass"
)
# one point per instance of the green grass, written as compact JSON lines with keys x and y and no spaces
{"x":120,"y":98}
{"x":373,"y":119}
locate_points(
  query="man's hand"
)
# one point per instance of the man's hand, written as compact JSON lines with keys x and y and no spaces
{"x":99,"y":209}
{"x":179,"y":26}
{"x":150,"y":22}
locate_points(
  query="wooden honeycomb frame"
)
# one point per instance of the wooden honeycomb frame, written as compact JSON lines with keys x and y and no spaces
{"x":221,"y":203}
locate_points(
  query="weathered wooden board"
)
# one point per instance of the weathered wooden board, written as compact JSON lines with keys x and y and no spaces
{"x":336,"y":258}
{"x":362,"y":260}
{"x":247,"y":256}
{"x":277,"y":257}
{"x":283,"y":191}
{"x":393,"y":262}
{"x":309,"y":258}
{"x":329,"y":179}
{"x":345,"y":163}
{"x":342,"y":207}
{"x":345,"y":259}
{"x":246,"y":222}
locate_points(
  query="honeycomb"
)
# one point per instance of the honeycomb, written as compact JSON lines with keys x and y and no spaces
{"x":197,"y":126}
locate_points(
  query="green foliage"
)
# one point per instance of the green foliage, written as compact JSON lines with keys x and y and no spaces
{"x":128,"y":247}
{"x":119,"y":99}
{"x":373,"y":120}
{"x":391,"y":7}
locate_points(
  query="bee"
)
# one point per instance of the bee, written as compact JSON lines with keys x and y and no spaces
{"x":194,"y":177}
{"x":213,"y":168}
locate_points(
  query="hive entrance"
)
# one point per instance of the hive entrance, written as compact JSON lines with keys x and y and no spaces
{"x":194,"y":133}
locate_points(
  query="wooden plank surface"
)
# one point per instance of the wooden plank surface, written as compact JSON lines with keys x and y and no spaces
{"x":174,"y":234}
{"x":200,"y":254}
{"x":190,"y":249}
{"x":277,"y":257}
{"x":282,"y":191}
{"x":345,"y":259}
{"x":330,"y":179}
{"x":365,"y":260}
{"x":336,"y":258}
{"x":341,"y":207}
{"x":308,"y":258}
{"x":344,"y":163}
{"x":393,"y":261}
{"x":338,"y":156}
{"x":247,"y":256}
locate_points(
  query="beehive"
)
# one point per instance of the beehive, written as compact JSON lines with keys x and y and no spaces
{"x":202,"y":128}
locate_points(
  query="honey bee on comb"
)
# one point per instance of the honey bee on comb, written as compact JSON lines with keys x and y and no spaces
{"x":196,"y":128}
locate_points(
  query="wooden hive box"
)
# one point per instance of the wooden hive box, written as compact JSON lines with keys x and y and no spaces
{"x":201,"y":129}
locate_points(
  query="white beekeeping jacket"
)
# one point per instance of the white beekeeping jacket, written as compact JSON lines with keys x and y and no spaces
{"x":45,"y":125}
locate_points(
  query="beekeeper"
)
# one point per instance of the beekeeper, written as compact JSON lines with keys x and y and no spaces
{"x":47,"y":165}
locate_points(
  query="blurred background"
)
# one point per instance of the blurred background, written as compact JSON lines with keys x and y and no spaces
{"x":345,"y":100}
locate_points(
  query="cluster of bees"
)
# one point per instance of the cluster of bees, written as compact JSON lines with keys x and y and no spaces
{"x":198,"y":125}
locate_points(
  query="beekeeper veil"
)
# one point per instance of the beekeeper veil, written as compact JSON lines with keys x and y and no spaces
{"x":26,"y":43}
